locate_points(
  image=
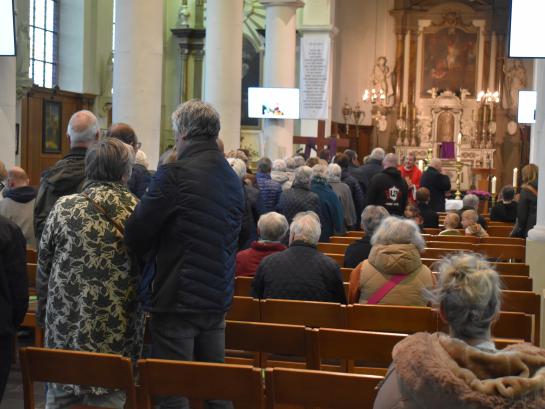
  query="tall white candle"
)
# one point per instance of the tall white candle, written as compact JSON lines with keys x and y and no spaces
{"x":421,"y":165}
{"x":515,"y":177}
{"x":459,"y":138}
{"x":493,"y":185}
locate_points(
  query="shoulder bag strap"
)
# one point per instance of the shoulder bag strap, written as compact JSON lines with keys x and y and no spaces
{"x":103,"y":211}
{"x":378,"y":295}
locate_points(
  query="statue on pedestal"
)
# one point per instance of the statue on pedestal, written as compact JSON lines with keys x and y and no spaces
{"x":382,"y":80}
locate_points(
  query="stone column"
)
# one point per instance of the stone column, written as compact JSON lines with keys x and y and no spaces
{"x":535,"y":245}
{"x":7,"y":110}
{"x":138,"y":71}
{"x":280,"y":42}
{"x":223,"y":66}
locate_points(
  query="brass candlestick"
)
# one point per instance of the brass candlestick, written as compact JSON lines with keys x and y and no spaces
{"x":428,"y":158}
{"x":458,"y":193}
{"x":493,"y":196}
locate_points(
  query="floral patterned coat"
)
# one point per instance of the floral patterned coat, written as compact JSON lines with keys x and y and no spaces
{"x":86,"y":283}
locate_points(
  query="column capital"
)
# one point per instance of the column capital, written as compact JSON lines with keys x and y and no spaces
{"x":282,"y":3}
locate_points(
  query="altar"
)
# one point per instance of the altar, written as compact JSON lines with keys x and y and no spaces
{"x":447,"y":128}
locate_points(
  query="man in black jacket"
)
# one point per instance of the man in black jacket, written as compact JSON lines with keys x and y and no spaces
{"x":66,"y":177}
{"x":299,"y":198}
{"x":191,"y":214}
{"x":346,"y":177}
{"x":437,"y":183}
{"x":365,"y":173}
{"x":388,"y":189}
{"x":301,"y":272}
{"x":13,"y":292}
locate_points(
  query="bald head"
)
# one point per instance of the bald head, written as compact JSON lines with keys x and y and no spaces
{"x":17,"y":177}
{"x":390,"y":161}
{"x":124,"y":133}
{"x":82,"y":129}
{"x":436,"y":164}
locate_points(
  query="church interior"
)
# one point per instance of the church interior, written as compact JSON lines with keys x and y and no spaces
{"x":431,"y":82}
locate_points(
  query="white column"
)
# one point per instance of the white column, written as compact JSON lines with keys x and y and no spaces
{"x":280,"y":43}
{"x":535,"y":244}
{"x":492,"y":70}
{"x":406,"y":59}
{"x":7,"y":110}
{"x":223,"y":66}
{"x":138,"y":73}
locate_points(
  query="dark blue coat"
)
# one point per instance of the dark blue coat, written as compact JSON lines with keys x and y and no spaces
{"x":331,"y":210}
{"x":139,"y":180}
{"x":269,"y":191}
{"x":192,"y":213}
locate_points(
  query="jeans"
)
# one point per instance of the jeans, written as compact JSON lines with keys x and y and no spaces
{"x":188,"y":337}
{"x":57,"y":398}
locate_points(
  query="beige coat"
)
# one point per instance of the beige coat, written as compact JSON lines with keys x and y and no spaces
{"x":387,"y":260}
{"x":437,"y":371}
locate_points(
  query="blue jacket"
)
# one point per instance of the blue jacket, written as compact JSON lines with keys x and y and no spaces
{"x":139,"y":180}
{"x":269,"y":190}
{"x":331,"y":213}
{"x":191,"y":214}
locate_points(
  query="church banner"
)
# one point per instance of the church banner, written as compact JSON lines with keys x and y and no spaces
{"x":314,"y":75}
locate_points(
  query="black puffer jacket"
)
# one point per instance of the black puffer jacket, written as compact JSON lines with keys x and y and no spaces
{"x":298,"y":199}
{"x":299,"y":273}
{"x":527,"y":208}
{"x":389,"y":190}
{"x":66,"y":177}
{"x":365,"y":173}
{"x":139,"y":180}
{"x":192,"y":212}
{"x":438,"y":185}
{"x":13,"y":277}
{"x":355,"y":189}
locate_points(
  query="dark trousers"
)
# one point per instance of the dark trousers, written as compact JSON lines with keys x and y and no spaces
{"x":188,"y":337}
{"x":6,"y":355}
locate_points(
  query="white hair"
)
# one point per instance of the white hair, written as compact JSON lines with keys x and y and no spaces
{"x":378,"y":154}
{"x":299,"y":161}
{"x":319,"y":171}
{"x":238,"y":166}
{"x":302,"y":176}
{"x":141,"y":158}
{"x":272,"y":226}
{"x":306,"y":227}
{"x":333,"y":172}
{"x":196,"y":120}
{"x":371,"y":217}
{"x":82,"y":127}
{"x":290,"y":163}
{"x":394,"y":230}
{"x":471,"y":200}
{"x":390,"y":161}
{"x":279,"y":165}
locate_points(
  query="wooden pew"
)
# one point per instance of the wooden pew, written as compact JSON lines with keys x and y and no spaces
{"x":31,"y":256}
{"x":309,"y":313}
{"x":499,"y":231}
{"x":463,"y":239}
{"x":437,"y":253}
{"x":519,"y":269}
{"x":244,"y":309}
{"x":391,"y":318}
{"x":503,"y":240}
{"x":78,"y":368}
{"x":339,"y":258}
{"x":334,"y":248}
{"x":431,"y":230}
{"x":515,"y":283}
{"x":526,"y":302}
{"x":457,"y":246}
{"x":319,"y":389}
{"x":243,"y":286}
{"x":343,"y":239}
{"x":358,"y":234}
{"x":345,"y":273}
{"x":31,"y":276}
{"x":240,"y":384}
{"x":502,"y":251}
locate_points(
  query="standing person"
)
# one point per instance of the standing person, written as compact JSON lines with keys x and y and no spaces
{"x":331,"y":210}
{"x":411,"y":174}
{"x":18,"y":204}
{"x":13,"y":293}
{"x":140,"y":176}
{"x":437,"y":183}
{"x":279,"y":173}
{"x":357,"y":195}
{"x":67,"y":175}
{"x":343,"y":193}
{"x":87,"y":282}
{"x":269,"y":189}
{"x":430,"y":217}
{"x":371,"y":167}
{"x":527,"y":205}
{"x":299,"y":198}
{"x":388,"y":189}
{"x":505,"y":210}
{"x":193,"y":209}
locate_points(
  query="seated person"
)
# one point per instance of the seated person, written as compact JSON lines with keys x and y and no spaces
{"x":394,"y":258}
{"x":471,"y":201}
{"x":430,"y":218}
{"x":271,"y":228}
{"x":452,"y":221}
{"x":463,"y":369}
{"x":506,"y":209}
{"x":470,"y":223}
{"x":412,"y":213}
{"x":301,"y":272}
{"x":359,"y":250}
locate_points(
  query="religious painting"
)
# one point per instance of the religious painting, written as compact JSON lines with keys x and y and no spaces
{"x":51,"y":127}
{"x":449,"y":60}
{"x":251,"y":68}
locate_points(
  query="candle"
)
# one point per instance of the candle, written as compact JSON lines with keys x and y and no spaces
{"x":400,"y":109}
{"x":459,"y":138}
{"x":493,"y":185}
{"x":421,"y":165}
{"x":414,"y":113}
{"x":458,"y":159}
{"x":515,"y":177}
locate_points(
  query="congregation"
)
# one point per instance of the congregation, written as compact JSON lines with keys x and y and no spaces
{"x":121,"y":249}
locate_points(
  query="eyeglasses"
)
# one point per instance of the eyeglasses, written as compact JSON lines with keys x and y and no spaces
{"x":138,"y":145}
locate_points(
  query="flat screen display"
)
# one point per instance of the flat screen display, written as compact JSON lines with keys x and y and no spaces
{"x":277,"y":103}
{"x":7,"y":28}
{"x":527,"y":107}
{"x":527,"y":30}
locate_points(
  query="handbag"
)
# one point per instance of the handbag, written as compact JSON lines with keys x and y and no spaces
{"x":148,"y":269}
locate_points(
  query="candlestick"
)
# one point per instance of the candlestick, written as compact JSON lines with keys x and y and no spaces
{"x":459,"y":138}
{"x":493,"y":189}
{"x":515,"y":177}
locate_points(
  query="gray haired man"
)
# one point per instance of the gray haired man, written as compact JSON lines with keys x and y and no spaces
{"x":191,"y":214}
{"x":67,"y":175}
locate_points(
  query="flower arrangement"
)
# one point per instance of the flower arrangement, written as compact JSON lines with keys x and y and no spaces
{"x":481,"y":194}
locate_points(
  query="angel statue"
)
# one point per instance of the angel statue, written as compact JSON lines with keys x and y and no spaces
{"x":382,"y":80}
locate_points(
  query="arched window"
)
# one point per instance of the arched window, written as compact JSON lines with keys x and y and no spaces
{"x":44,"y":34}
